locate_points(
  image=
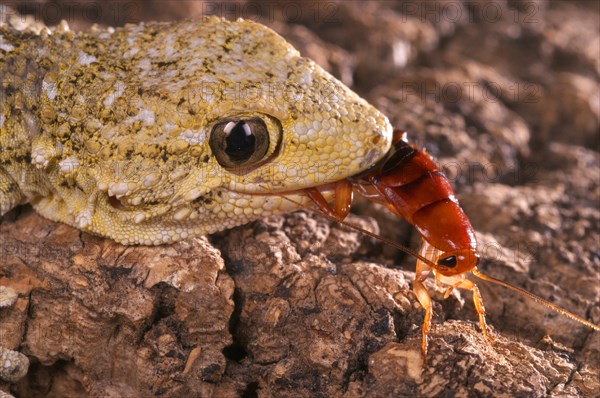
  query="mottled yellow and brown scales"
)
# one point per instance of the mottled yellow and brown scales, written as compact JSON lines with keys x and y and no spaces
{"x":109,"y":130}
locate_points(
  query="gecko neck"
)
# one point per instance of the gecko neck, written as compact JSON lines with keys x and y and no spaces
{"x":22,"y":72}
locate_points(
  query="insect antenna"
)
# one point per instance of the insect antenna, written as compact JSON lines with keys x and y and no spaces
{"x":532,"y":296}
{"x":474,"y":271}
{"x":355,"y":227}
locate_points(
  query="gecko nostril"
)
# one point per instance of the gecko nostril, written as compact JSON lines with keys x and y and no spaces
{"x":115,"y":203}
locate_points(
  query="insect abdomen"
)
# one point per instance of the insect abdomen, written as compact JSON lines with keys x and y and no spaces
{"x":412,"y":186}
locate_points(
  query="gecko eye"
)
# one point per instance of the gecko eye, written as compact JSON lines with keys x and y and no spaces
{"x":239,"y":142}
{"x":449,"y":262}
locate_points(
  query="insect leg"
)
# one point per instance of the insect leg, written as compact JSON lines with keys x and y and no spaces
{"x":425,"y":301}
{"x":341,"y":203}
{"x":343,"y":198}
{"x":478,"y":301}
{"x":421,"y":273}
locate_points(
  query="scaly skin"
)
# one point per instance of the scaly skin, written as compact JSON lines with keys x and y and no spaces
{"x":109,"y":130}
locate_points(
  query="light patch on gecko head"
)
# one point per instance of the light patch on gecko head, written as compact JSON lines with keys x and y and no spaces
{"x":168,"y":127}
{"x":134,"y":32}
{"x":145,"y":64}
{"x":118,"y":91}
{"x":194,"y":138}
{"x":69,"y":165}
{"x":7,"y":47}
{"x":306,"y":77}
{"x":169,"y":48}
{"x":196,"y":42}
{"x":146,"y":116}
{"x":109,"y":134}
{"x":86,"y":59}
{"x":131,"y":52}
{"x":107,"y":34}
{"x":49,"y":88}
{"x":153,"y":53}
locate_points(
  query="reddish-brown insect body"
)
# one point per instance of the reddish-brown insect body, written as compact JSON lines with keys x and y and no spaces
{"x":410,"y":184}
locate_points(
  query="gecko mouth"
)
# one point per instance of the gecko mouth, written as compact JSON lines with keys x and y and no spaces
{"x":333,"y":198}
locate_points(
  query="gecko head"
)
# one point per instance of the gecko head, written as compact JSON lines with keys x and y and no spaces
{"x":283,"y":124}
{"x":210,"y":123}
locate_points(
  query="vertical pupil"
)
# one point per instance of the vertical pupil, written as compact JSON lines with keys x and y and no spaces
{"x":240,"y":142}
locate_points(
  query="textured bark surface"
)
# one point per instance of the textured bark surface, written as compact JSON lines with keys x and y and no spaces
{"x":295,"y":306}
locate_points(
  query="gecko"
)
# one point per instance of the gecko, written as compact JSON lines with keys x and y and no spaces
{"x":156,"y":132}
{"x":153,"y":133}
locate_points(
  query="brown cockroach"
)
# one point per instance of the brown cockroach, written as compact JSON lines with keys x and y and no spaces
{"x":410,"y":184}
